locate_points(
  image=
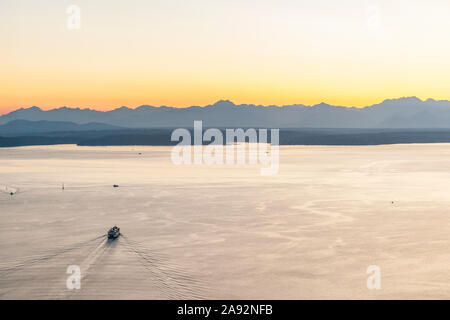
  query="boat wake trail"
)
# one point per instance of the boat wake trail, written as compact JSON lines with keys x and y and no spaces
{"x":94,"y":257}
{"x":17,"y":266}
{"x":168,"y":277}
{"x":170,"y":280}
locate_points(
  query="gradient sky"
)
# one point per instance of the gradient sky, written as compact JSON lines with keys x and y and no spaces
{"x":194,"y":52}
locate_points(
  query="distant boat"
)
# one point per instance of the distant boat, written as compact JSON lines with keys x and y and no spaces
{"x":116,"y":186}
{"x":114,"y":233}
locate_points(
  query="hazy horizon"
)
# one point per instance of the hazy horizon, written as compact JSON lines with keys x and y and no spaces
{"x":177,"y":53}
{"x":133,"y":107}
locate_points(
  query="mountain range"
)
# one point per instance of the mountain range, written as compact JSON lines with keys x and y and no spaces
{"x":408,"y":112}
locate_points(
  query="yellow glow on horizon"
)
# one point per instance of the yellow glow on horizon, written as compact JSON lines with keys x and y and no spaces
{"x":256,"y":52}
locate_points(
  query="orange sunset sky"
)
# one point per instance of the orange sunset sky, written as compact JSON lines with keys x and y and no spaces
{"x":181,"y":53}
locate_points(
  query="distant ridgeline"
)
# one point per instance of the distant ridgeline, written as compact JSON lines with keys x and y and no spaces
{"x":404,"y":120}
{"x":396,"y":113}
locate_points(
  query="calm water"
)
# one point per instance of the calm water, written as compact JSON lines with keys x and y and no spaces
{"x":198,"y":231}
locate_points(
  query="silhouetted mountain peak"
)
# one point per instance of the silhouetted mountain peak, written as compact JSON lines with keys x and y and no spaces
{"x":322,"y":105}
{"x":224,"y":104}
{"x":122,"y":109}
{"x":403,"y":100}
{"x":145,"y":107}
{"x":30,"y":110}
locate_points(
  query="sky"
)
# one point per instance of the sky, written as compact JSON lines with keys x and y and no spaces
{"x":195,"y":52}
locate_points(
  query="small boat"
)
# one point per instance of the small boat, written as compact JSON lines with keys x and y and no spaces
{"x":114,"y":233}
